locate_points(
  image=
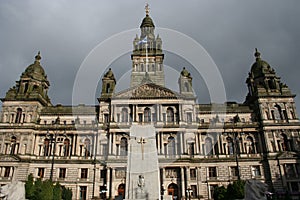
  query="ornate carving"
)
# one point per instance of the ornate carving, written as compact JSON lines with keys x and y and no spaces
{"x":8,"y":158}
{"x":146,"y":91}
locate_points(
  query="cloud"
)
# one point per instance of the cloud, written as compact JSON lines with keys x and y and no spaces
{"x":66,"y":31}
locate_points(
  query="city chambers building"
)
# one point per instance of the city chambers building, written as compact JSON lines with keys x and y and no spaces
{"x":85,"y":148}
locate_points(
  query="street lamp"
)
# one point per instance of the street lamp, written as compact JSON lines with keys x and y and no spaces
{"x":189,"y":191}
{"x":95,"y":127}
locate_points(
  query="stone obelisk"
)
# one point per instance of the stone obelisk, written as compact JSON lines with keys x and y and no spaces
{"x":142,"y":178}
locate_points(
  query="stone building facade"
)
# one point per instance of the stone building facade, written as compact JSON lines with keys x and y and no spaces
{"x":199,"y":147}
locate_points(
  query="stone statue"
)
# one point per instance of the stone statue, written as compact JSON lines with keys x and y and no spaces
{"x":13,"y":191}
{"x":141,"y":182}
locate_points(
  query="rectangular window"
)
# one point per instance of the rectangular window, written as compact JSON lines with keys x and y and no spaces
{"x":106,"y":119}
{"x":140,"y":117}
{"x":234,"y":171}
{"x":193,"y":174}
{"x":294,"y":186}
{"x":189,"y":117}
{"x":212,"y":172}
{"x":256,"y":171}
{"x":289,"y":170}
{"x":62,"y":172}
{"x":84,"y":173}
{"x":6,"y":172}
{"x":41,"y":172}
{"x":83,"y":192}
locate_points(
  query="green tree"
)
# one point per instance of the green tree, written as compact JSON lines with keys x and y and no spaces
{"x":236,"y":190}
{"x":66,"y":193}
{"x":220,"y":193}
{"x":57,"y":192}
{"x":37,"y":190}
{"x":47,"y":190}
{"x":29,"y":187}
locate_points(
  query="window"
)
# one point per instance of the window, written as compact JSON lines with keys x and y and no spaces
{"x":234,"y":171}
{"x":294,"y":186}
{"x":62,"y":172}
{"x":18,"y":116}
{"x":256,"y":171}
{"x":124,"y":115}
{"x":106,"y":118}
{"x":170,"y":115}
{"x":194,"y":191}
{"x":147,"y":115}
{"x":123,"y":146}
{"x":250,"y":145}
{"x":212,"y":172}
{"x":171,"y":146}
{"x":193,"y":174}
{"x":6,"y":172}
{"x":66,"y":147}
{"x":289,"y":170}
{"x":189,"y":117}
{"x":84,"y":173}
{"x":41,"y":172}
{"x":46,"y":147}
{"x":87,"y":148}
{"x":230,"y":150}
{"x":82,"y":192}
{"x":208,"y":146}
{"x":13,"y":145}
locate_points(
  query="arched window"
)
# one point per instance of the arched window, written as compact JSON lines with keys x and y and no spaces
{"x":142,"y":67}
{"x":87,"y":147}
{"x":230,"y":147}
{"x":153,"y":67}
{"x":46,"y":147}
{"x":171,"y":146}
{"x":186,"y":87}
{"x":170,"y":115}
{"x":124,"y":115}
{"x":147,"y":115}
{"x":208,"y":146}
{"x":284,"y":143}
{"x":13,"y":145}
{"x":19,"y":115}
{"x":277,"y":113}
{"x":66,"y":147}
{"x":123,"y":147}
{"x":107,"y":88}
{"x":250,"y":145}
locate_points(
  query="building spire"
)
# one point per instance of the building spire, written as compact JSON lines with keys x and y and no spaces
{"x":38,"y":57}
{"x":147,"y":9}
{"x":257,"y":54}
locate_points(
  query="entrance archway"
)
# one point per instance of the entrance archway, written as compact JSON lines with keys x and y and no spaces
{"x":121,"y":190}
{"x":173,"y":190}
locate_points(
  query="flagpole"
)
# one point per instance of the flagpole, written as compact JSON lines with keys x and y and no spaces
{"x":146,"y":54}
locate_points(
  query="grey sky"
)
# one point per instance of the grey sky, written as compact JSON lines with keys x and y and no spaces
{"x":66,"y":31}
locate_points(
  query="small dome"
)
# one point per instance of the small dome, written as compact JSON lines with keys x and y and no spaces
{"x":35,"y":70}
{"x":260,"y":67}
{"x":109,"y":74}
{"x":185,"y":73}
{"x":147,"y":22}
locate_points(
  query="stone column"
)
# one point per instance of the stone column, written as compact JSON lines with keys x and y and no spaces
{"x":158,"y":142}
{"x":113,"y":192}
{"x":162,"y":143}
{"x":109,"y":183}
{"x":182,"y":181}
{"x":109,"y":144}
{"x":196,"y":144}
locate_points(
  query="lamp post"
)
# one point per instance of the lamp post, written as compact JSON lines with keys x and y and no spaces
{"x":237,"y":152}
{"x":57,"y":122}
{"x":95,"y":127}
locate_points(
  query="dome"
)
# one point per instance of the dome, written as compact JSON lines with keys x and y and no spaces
{"x":35,"y":70}
{"x":147,"y":22}
{"x":260,"y":67}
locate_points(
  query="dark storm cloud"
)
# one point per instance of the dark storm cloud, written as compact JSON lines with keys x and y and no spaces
{"x":66,"y":31}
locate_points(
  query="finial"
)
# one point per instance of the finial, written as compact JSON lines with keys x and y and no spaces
{"x":147,"y":9}
{"x":38,"y":57}
{"x":257,"y":54}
